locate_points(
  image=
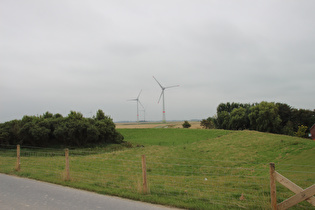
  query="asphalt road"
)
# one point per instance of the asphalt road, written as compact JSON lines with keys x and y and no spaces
{"x":19,"y":193}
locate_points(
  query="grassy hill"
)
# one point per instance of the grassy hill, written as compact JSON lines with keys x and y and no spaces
{"x":245,"y":146}
{"x":294,"y":157}
{"x":187,"y":168}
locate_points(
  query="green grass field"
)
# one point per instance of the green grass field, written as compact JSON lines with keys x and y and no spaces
{"x":187,"y":168}
{"x":169,"y":137}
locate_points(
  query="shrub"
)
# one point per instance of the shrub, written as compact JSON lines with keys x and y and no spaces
{"x":186,"y":124}
{"x":301,"y":131}
{"x":207,"y":123}
{"x":49,"y":129}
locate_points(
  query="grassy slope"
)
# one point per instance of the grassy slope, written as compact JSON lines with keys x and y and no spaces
{"x":192,"y":150}
{"x":168,"y":137}
{"x":250,"y":146}
{"x":243,"y":148}
{"x":247,"y":149}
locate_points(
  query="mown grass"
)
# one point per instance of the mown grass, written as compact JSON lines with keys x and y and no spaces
{"x":193,"y":169}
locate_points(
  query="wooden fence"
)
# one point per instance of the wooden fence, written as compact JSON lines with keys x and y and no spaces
{"x":300,"y":193}
{"x":67,"y":167}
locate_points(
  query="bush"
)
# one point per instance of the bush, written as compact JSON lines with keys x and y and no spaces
{"x":53,"y":130}
{"x":207,"y":123}
{"x":301,"y":131}
{"x":186,"y":124}
{"x":264,"y":116}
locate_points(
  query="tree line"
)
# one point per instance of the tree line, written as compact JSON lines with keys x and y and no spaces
{"x":54,"y":129}
{"x":264,"y":116}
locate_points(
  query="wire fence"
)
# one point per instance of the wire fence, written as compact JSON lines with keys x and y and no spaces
{"x":183,"y":182}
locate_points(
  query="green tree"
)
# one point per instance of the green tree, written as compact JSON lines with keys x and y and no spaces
{"x":75,"y":115}
{"x":285,"y":113}
{"x":57,"y":115}
{"x":100,"y":115}
{"x":9,"y":132}
{"x":207,"y":123}
{"x":264,"y":117}
{"x":30,"y":134}
{"x":186,"y":124}
{"x":303,"y":117}
{"x":61,"y":134}
{"x":288,"y":129}
{"x":47,"y":115}
{"x":238,"y":119}
{"x":39,"y":135}
{"x":49,"y":129}
{"x":223,"y":107}
{"x":223,"y":120}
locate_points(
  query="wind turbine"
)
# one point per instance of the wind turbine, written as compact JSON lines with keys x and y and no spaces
{"x":143,"y":110}
{"x":138,"y":102}
{"x":162,"y":94}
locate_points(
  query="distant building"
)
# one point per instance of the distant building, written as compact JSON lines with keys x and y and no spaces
{"x":312,"y":130}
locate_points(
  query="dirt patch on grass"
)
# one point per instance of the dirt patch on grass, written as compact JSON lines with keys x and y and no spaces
{"x":194,"y":125}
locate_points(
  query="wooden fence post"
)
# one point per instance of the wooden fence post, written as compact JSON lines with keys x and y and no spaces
{"x":273,"y":190}
{"x":18,"y":158}
{"x":144,"y":175}
{"x":67,"y":165}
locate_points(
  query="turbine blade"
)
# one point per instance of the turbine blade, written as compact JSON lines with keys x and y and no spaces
{"x":158,"y":82}
{"x":139,"y":94}
{"x":161,"y":96}
{"x":172,"y":86}
{"x":141,"y":104}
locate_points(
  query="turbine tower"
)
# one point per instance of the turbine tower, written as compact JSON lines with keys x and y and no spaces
{"x":143,"y":110}
{"x":162,"y":94}
{"x":138,"y":102}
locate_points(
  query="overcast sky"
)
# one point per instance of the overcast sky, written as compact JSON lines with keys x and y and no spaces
{"x":84,"y":55}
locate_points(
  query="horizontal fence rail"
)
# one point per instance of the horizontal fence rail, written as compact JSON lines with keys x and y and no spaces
{"x":300,"y":195}
{"x":201,"y":183}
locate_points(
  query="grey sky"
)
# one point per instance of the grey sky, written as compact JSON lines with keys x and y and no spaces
{"x":83,"y":55}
